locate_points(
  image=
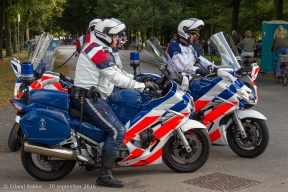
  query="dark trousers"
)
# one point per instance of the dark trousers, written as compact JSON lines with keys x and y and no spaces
{"x":104,"y":117}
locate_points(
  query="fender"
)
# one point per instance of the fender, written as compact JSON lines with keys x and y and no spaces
{"x":250,"y":113}
{"x":17,"y":118}
{"x":192,"y":124}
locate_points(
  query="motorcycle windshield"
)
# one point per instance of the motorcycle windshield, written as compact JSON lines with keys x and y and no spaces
{"x":228,"y":58}
{"x":43,"y":56}
{"x":162,"y":59}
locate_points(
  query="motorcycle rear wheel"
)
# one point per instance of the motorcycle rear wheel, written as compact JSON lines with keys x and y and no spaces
{"x":15,"y":138}
{"x":257,"y":138}
{"x":176,"y":157}
{"x":39,"y":167}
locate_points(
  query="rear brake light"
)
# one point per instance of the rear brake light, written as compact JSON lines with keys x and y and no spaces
{"x":17,"y":106}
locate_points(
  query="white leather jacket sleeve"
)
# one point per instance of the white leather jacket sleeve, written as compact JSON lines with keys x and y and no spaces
{"x":118,"y":78}
{"x":183,"y":65}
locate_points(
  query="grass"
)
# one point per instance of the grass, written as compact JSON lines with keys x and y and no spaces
{"x":7,"y":80}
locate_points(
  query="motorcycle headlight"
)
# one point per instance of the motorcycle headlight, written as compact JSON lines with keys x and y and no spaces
{"x":245,"y":95}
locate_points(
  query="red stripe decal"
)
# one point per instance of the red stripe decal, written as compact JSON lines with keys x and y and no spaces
{"x":218,"y":111}
{"x":88,"y":38}
{"x":256,"y":71}
{"x":20,"y":94}
{"x":89,"y":47}
{"x":99,"y":57}
{"x":130,"y":134}
{"x":150,"y":159}
{"x":36,"y":85}
{"x":215,"y":135}
{"x":44,"y":78}
{"x":59,"y":87}
{"x":199,"y":104}
{"x":135,"y":153}
{"x":168,"y":126}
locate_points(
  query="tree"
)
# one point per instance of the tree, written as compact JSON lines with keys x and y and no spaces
{"x":2,"y":16}
{"x":7,"y":31}
{"x":278,"y":9}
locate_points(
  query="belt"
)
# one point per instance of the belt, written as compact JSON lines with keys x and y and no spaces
{"x":91,"y":93}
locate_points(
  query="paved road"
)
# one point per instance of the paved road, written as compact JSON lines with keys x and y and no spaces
{"x":266,"y":173}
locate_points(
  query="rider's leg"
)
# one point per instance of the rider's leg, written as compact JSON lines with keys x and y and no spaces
{"x":104,"y":117}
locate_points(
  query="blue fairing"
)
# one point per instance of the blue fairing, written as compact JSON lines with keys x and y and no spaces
{"x":45,"y":126}
{"x":152,"y":104}
{"x":126,"y":103}
{"x":200,"y":87}
{"x":53,"y":98}
{"x":155,"y":76}
{"x":88,"y":130}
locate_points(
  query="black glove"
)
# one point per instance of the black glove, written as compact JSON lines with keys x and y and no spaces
{"x":138,"y":79}
{"x":202,"y":72}
{"x":151,"y":85}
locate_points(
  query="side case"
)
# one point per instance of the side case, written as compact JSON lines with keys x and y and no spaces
{"x":45,"y":126}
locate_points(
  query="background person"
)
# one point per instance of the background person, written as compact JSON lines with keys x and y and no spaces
{"x":184,"y":54}
{"x":280,"y":45}
{"x":248,"y":45}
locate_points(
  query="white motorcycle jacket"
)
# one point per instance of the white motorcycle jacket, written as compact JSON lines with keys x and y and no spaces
{"x":96,"y":67}
{"x":184,"y":57}
{"x":87,"y":38}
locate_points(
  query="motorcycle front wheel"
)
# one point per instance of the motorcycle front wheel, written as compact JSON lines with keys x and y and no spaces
{"x":43,"y":169}
{"x":256,"y":141}
{"x":176,"y":157}
{"x":15,"y":138}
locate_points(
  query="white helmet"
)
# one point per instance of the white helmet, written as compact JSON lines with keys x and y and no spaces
{"x":108,"y":27}
{"x":187,"y":25}
{"x":92,"y":24}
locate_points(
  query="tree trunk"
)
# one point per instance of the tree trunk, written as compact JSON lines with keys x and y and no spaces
{"x":2,"y":16}
{"x":14,"y":37}
{"x":167,"y":35}
{"x":278,"y":9}
{"x":235,"y":13}
{"x":8,"y":33}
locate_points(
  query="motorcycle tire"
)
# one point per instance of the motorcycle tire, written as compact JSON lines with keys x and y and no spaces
{"x":15,"y":138}
{"x":257,"y":138}
{"x":30,"y":164}
{"x":174,"y":153}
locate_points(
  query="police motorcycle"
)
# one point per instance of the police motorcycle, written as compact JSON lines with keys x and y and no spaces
{"x":158,"y":128}
{"x":248,"y":68}
{"x":42,"y":61}
{"x":223,"y":102}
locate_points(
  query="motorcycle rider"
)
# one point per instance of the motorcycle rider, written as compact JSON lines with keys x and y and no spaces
{"x":96,"y":73}
{"x":185,"y":56}
{"x":86,"y":38}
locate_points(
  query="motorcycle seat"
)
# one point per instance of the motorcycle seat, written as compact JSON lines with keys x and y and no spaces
{"x":76,"y":114}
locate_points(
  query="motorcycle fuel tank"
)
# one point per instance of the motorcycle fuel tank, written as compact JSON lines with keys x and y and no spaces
{"x":126,"y":103}
{"x":45,"y":126}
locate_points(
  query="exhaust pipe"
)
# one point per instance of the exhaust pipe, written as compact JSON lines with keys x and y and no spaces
{"x":62,"y":153}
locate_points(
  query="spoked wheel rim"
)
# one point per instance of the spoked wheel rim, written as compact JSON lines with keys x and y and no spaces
{"x":254,"y":136}
{"x":179,"y":153}
{"x":42,"y":163}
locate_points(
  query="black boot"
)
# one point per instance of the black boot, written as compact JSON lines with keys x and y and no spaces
{"x":105,"y":178}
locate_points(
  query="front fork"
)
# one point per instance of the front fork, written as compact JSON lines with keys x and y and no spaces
{"x":184,"y":140}
{"x":239,"y":123}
